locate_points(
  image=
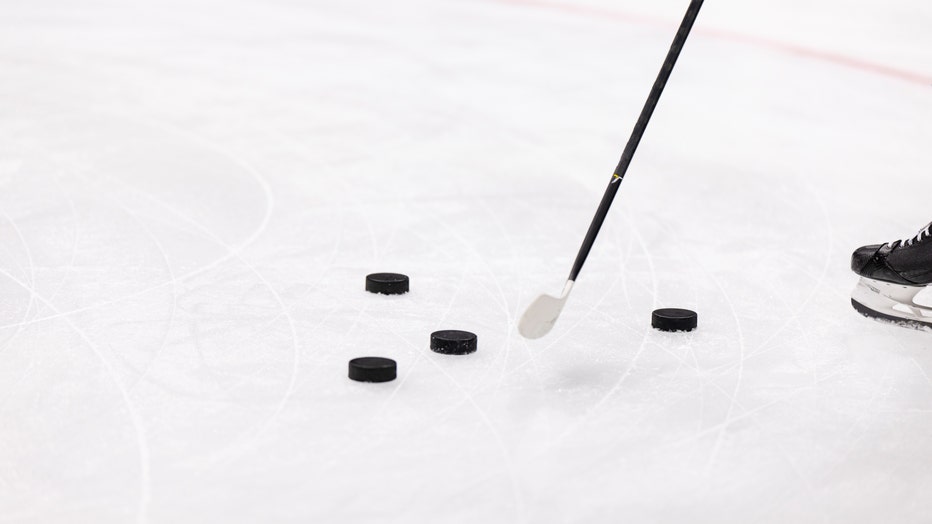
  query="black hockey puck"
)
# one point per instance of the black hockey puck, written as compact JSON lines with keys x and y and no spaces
{"x":373,"y":369}
{"x":673,"y":319}
{"x":387,"y":283}
{"x":452,"y":342}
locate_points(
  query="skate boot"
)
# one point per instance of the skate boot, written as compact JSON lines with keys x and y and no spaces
{"x":893,"y":278}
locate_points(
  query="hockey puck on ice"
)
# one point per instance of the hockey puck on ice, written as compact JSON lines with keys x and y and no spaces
{"x":387,"y":283}
{"x":373,"y":369}
{"x":452,"y":342}
{"x":673,"y":319}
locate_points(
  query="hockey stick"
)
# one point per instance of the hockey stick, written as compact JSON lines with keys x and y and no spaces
{"x":542,"y":314}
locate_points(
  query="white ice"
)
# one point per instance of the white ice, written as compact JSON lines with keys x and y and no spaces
{"x":192,"y":192}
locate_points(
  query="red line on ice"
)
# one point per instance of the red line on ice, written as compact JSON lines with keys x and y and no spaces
{"x":785,"y":47}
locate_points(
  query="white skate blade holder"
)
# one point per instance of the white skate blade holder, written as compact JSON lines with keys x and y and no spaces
{"x":894,"y":302}
{"x":543,"y":313}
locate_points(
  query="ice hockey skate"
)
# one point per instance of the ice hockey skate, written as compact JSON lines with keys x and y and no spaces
{"x":896,"y":281}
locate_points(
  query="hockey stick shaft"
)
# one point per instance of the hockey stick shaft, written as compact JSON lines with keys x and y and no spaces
{"x":691,"y":13}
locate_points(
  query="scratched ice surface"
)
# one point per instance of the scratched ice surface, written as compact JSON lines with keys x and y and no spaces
{"x":191,"y":194}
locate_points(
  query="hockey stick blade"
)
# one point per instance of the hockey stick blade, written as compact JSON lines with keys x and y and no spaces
{"x":543,"y":313}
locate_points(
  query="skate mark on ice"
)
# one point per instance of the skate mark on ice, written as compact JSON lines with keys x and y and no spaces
{"x":865,"y":420}
{"x":511,"y":319}
{"x":173,"y":282}
{"x":717,"y":428}
{"x":795,"y":312}
{"x":69,"y":269}
{"x":509,"y":462}
{"x":633,"y":362}
{"x":232,"y":252}
{"x":186,"y":276}
{"x":285,"y":310}
{"x":740,"y":374}
{"x":31,"y":272}
{"x":136,"y":421}
{"x":922,"y":371}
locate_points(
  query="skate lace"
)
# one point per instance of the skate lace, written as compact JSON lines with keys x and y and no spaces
{"x":923,"y":233}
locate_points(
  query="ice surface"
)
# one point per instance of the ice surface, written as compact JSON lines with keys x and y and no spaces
{"x":191,"y":195}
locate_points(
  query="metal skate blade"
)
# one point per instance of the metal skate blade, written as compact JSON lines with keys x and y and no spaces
{"x":890,"y":319}
{"x":894,"y":303}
